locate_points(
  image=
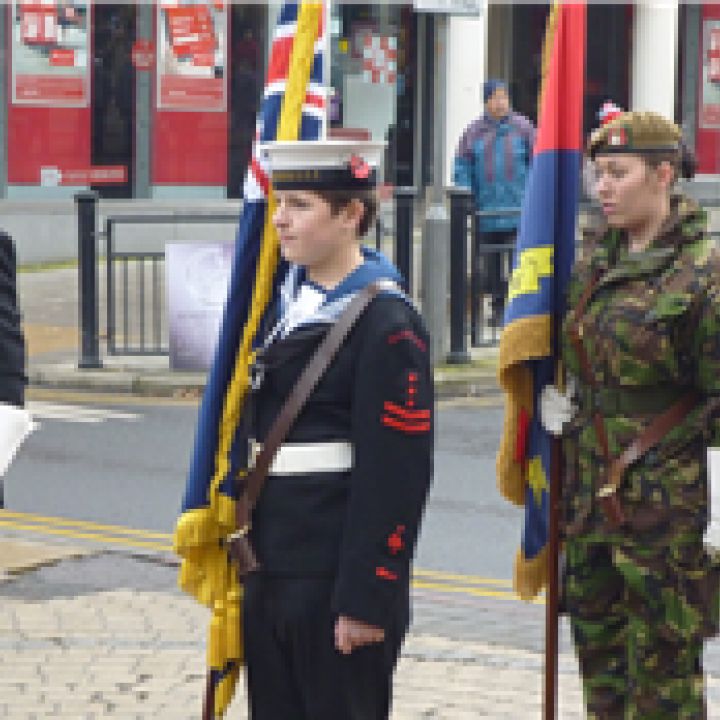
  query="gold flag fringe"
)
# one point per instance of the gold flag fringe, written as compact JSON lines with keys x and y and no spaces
{"x":522,"y":340}
{"x":530,"y":575}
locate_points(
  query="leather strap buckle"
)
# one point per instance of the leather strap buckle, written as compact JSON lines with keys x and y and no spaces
{"x":239,"y":533}
{"x":257,"y":375}
{"x":611,"y":507}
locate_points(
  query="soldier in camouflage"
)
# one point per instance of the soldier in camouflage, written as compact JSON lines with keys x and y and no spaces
{"x":642,"y":335}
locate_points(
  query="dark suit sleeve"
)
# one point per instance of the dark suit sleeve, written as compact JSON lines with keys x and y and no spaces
{"x":393,"y":439}
{"x":12,"y":343}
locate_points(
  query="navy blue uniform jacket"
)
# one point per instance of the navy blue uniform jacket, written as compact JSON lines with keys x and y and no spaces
{"x":356,"y":526}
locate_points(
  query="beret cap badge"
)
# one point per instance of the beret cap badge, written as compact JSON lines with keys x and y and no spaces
{"x":617,"y":137}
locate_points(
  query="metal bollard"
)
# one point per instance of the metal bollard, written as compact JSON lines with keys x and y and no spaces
{"x":461,"y":208}
{"x":86,"y":203}
{"x":404,"y":200}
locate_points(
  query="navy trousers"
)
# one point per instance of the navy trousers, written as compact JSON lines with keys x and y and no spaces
{"x":294,"y":671}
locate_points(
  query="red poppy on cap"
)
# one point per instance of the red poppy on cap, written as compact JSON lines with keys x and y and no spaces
{"x":359,"y":169}
{"x":608,"y":112}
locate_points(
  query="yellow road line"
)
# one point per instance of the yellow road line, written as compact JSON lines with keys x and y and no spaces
{"x":475,"y":591}
{"x":473,"y":585}
{"x":85,"y":536}
{"x":114,"y":529}
{"x":472,"y":579}
{"x":82,"y":397}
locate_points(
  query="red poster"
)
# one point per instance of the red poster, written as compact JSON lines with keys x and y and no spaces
{"x":714,"y":56}
{"x":50,"y":49}
{"x":710,"y":87}
{"x":143,"y":54}
{"x":191,"y":30}
{"x":191,"y":63}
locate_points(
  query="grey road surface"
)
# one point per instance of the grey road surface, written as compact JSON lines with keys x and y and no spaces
{"x":126,"y":464}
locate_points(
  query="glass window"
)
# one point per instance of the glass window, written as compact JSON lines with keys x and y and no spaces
{"x":372,"y":79}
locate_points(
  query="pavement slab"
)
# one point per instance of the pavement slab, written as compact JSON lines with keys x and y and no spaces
{"x":17,"y":556}
{"x":110,"y":636}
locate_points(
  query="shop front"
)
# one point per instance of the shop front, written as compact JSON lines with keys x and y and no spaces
{"x":136,"y":100}
{"x":159,"y":100}
{"x":703,"y":28}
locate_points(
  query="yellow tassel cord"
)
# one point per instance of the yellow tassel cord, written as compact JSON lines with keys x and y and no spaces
{"x":530,"y":576}
{"x":205,"y":572}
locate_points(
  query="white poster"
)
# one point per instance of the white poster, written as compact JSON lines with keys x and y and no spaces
{"x":197,"y":278}
{"x":192,"y":56}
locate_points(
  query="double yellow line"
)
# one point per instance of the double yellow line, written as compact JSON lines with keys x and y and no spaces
{"x":430,"y":580}
{"x":84,"y":530}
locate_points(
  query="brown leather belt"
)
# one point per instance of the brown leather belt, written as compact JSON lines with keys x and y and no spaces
{"x":629,"y":400}
{"x":648,"y":439}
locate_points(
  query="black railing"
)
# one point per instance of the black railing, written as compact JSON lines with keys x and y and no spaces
{"x":462,"y":224}
{"x":136,"y":303}
{"x":403,"y":251}
{"x":489,"y":270}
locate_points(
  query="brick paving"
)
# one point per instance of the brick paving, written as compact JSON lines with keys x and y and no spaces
{"x":107,"y":635}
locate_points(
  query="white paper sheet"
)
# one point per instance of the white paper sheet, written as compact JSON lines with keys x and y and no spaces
{"x":15,"y":425}
{"x":712,"y":534}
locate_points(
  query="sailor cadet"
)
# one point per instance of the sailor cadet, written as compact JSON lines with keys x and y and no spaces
{"x":336,"y":522}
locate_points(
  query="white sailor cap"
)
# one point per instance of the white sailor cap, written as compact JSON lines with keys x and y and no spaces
{"x":324,"y":164}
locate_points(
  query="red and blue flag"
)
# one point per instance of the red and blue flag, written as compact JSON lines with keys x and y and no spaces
{"x":542,"y":263}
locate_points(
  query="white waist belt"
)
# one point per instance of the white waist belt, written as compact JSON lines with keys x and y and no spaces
{"x":307,"y":458}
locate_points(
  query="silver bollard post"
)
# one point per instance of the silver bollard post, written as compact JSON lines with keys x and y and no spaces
{"x":436,"y":230}
{"x":435,"y":262}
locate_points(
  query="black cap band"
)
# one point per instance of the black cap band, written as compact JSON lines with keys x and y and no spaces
{"x":322,"y":179}
{"x":630,"y":150}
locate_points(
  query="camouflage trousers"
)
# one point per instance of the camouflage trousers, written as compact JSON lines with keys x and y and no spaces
{"x":638,"y":618}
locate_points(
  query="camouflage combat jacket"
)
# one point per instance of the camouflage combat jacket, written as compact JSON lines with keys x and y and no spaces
{"x":651,"y":333}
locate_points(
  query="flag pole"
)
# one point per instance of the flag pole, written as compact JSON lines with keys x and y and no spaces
{"x":209,"y":704}
{"x":553,"y":549}
{"x":553,"y":546}
{"x":327,"y":67}
{"x":552,"y":597}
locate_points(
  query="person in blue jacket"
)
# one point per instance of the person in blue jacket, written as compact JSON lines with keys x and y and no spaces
{"x":492,"y":159}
